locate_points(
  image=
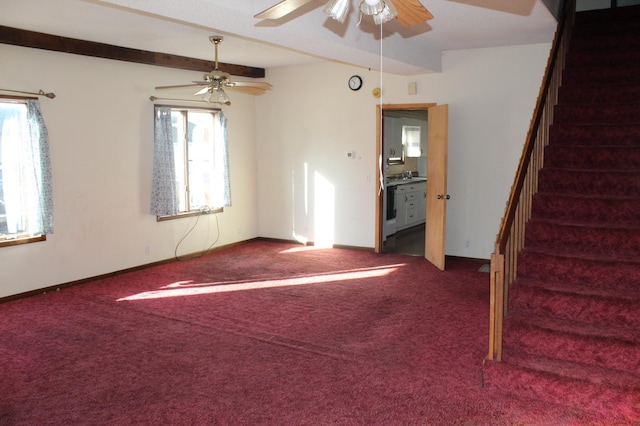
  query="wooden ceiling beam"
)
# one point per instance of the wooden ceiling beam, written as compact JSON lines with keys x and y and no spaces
{"x":25,"y":38}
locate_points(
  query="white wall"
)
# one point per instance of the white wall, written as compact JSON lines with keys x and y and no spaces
{"x":101,"y":140}
{"x":305,"y":127}
{"x":311,"y":118}
{"x":284,"y":146}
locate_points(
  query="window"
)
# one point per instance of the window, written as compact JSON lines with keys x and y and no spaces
{"x":26,"y":208}
{"x":191,"y":173}
{"x":411,"y":141}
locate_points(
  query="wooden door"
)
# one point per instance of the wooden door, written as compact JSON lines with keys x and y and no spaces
{"x":437,"y":141}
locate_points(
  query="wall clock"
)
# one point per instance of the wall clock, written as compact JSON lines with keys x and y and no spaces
{"x":355,"y":82}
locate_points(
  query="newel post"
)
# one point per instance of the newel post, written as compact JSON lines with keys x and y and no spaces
{"x":496,"y":307}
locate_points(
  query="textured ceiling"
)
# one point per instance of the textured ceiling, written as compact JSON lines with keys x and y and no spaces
{"x":305,"y":36}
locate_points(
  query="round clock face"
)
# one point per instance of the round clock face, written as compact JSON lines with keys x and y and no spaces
{"x":355,"y":82}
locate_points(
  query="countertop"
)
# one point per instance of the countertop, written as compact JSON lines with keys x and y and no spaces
{"x":396,"y":182}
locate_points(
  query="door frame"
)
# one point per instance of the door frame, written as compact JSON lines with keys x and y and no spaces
{"x":379,"y":225}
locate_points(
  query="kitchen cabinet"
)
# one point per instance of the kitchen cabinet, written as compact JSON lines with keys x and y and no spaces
{"x":393,"y":149}
{"x":410,"y":204}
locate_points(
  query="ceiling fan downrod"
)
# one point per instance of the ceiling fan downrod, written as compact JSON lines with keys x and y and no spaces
{"x":216,"y":40}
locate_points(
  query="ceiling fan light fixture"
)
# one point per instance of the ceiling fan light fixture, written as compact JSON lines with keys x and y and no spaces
{"x":337,"y":9}
{"x":215,"y":95}
{"x":388,"y":13}
{"x":371,"y":7}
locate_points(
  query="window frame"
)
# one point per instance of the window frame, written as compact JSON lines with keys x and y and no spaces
{"x":18,"y":238}
{"x":198,"y":211}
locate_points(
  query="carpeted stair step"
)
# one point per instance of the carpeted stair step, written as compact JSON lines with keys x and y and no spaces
{"x":616,"y":348}
{"x":603,"y":43}
{"x":617,"y":57}
{"x":605,"y":20}
{"x":580,"y":208}
{"x":574,"y":268}
{"x":614,"y":394}
{"x":601,"y":95}
{"x":589,"y":182}
{"x":585,"y":31}
{"x":602,"y":75}
{"x":593,"y":239}
{"x":593,"y":157}
{"x":601,"y":306}
{"x":597,"y":113}
{"x":594,"y":134}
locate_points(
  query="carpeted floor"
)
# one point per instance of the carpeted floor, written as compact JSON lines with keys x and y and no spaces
{"x":260,"y":334}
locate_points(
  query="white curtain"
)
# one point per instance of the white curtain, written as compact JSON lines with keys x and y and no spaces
{"x":164,"y":195}
{"x":38,"y":183}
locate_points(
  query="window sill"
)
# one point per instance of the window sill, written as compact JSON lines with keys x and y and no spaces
{"x":21,"y":240}
{"x":190,"y":214}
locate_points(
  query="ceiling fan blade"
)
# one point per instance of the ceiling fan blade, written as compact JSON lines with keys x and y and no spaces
{"x":281,"y":9}
{"x":411,"y":12}
{"x":201,"y":91}
{"x":261,"y":85}
{"x":246,"y":89}
{"x":179,"y":86}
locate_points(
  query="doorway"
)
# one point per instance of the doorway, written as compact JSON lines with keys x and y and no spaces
{"x":404,"y":147}
{"x":412,"y":184}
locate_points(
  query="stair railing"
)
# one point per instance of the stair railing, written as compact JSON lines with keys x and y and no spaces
{"x":510,"y":239}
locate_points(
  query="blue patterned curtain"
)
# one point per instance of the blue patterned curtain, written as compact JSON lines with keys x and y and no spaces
{"x":164,"y":195}
{"x":37,"y":184}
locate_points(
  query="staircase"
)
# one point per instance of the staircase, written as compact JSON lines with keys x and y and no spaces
{"x":572,"y":334}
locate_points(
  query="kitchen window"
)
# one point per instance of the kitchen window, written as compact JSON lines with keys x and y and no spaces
{"x":411,"y":141}
{"x":191,"y":167}
{"x":26,"y":207}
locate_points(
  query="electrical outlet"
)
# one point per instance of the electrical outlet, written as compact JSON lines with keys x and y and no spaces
{"x":147,"y":249}
{"x":467,"y":243}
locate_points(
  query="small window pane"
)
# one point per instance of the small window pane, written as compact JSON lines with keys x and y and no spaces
{"x":13,"y":131}
{"x":411,"y":141}
{"x":201,"y":161}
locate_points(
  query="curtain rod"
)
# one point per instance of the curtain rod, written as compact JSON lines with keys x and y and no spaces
{"x":49,"y":95}
{"x":155,"y":98}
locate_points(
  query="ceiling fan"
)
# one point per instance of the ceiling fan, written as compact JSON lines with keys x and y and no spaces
{"x":214,"y":82}
{"x":407,"y":12}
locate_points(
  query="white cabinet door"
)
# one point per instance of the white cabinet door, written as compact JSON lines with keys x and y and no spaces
{"x":401,"y":208}
{"x":422,"y":204}
{"x":411,"y":209}
{"x":392,"y":138}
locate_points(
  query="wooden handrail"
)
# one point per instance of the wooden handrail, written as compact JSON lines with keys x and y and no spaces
{"x":510,"y":238}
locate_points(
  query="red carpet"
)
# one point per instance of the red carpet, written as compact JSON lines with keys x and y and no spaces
{"x":264,"y":333}
{"x":571,"y":336}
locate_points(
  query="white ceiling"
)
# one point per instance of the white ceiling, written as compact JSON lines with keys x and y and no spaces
{"x":305,"y":36}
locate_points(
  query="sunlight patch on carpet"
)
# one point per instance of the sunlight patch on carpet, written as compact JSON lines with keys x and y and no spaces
{"x":188,"y":288}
